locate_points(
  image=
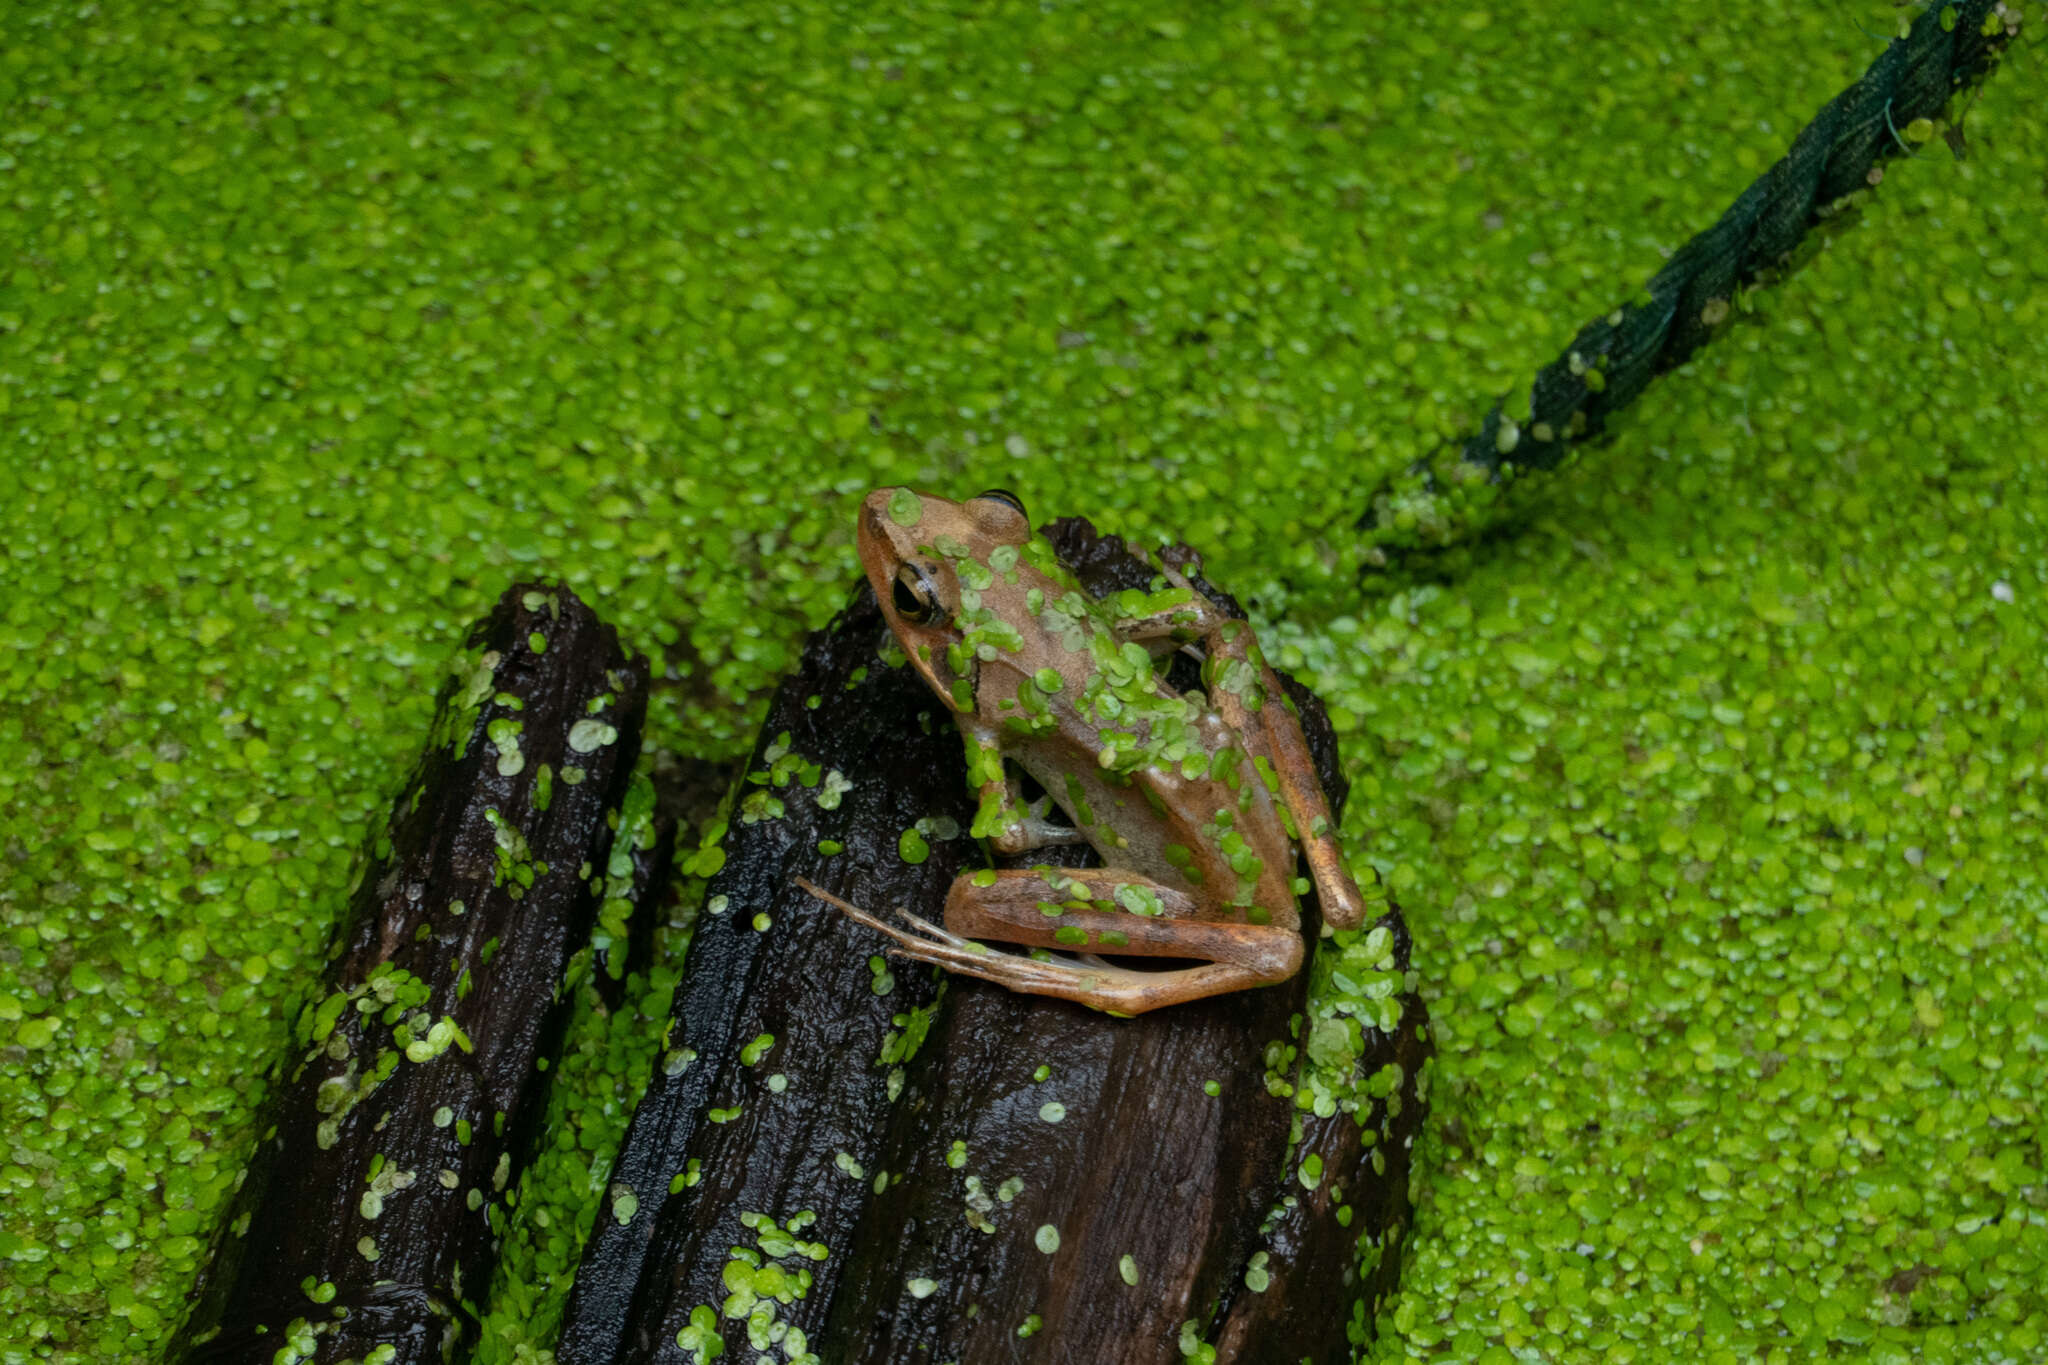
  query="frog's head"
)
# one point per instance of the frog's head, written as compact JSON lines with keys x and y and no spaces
{"x":912,"y":546}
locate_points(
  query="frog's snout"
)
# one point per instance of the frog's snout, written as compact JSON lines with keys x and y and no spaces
{"x":872,"y":527}
{"x":874,"y":508}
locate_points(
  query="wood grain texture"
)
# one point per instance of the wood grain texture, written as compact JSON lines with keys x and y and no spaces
{"x":929,"y":1180}
{"x":373,"y":1204}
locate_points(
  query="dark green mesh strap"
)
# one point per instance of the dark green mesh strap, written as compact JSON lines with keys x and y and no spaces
{"x":1611,"y":360}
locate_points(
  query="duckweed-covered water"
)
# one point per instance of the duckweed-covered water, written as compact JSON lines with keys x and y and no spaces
{"x":1712,"y":784}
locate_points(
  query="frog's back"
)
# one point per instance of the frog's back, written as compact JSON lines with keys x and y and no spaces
{"x":1159,"y":822}
{"x":1154,"y":780}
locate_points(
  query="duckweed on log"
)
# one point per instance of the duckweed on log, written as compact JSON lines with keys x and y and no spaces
{"x":368,"y":1223}
{"x":636,"y":875}
{"x":1713,"y":795}
{"x":1109,"y":1151}
{"x":1028,"y":1156}
{"x":712,"y":1141}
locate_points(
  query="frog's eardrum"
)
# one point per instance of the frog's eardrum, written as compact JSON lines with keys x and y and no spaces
{"x":910,"y":1170}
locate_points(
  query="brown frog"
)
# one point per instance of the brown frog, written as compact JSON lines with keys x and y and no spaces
{"x":1195,"y":800}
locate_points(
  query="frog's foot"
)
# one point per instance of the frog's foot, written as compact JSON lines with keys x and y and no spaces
{"x":1091,"y":981}
{"x":932,"y":932}
{"x":924,"y":941}
{"x":1035,"y":831}
{"x":1030,"y":830}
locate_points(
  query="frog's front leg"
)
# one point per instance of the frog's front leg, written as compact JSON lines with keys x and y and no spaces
{"x":1021,"y":826}
{"x":1013,"y":906}
{"x":1004,"y":817}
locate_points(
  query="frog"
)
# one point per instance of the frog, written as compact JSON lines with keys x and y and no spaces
{"x":1196,"y":801}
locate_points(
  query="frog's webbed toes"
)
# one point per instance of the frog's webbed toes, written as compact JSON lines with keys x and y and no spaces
{"x":923,"y":940}
{"x":932,"y":932}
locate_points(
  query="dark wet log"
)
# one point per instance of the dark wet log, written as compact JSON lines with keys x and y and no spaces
{"x":711,"y":1141}
{"x":901,"y":1180}
{"x":368,"y":1223}
{"x":1348,"y":1206}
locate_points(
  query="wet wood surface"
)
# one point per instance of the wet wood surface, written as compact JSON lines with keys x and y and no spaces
{"x":868,"y":1161}
{"x":367,"y":1226}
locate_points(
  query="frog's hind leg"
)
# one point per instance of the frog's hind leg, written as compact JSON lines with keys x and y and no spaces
{"x":1247,"y":694}
{"x":927,"y":942}
{"x":1241,"y":956}
{"x":1019,"y":906}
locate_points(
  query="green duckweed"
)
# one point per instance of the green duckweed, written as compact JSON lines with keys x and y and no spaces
{"x":1711,"y":790}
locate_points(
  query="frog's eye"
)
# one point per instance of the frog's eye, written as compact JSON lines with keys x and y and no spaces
{"x":1004,"y":496}
{"x":917,"y":600}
